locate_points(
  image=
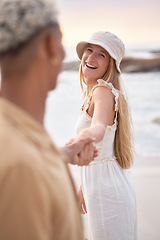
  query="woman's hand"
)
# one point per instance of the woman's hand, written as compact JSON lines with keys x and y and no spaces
{"x":82,"y":201}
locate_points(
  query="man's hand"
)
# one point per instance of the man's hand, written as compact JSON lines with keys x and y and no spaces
{"x":80,"y":151}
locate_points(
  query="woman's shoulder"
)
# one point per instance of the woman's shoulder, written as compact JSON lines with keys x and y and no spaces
{"x":109,"y":85}
{"x":102,"y":94}
{"x":105,"y":91}
{"x":104,"y":87}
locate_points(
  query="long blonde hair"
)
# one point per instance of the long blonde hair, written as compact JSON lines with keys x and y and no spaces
{"x":123,"y":144}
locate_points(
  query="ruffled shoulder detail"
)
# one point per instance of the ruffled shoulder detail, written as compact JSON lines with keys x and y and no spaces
{"x":101,"y":82}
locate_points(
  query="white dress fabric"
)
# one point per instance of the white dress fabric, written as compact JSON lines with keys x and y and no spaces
{"x":107,"y":188}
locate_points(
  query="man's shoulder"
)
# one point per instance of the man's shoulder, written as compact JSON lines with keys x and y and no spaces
{"x":14,"y":147}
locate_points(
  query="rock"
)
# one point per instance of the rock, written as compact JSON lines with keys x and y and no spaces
{"x":71,"y":66}
{"x":128,"y":65}
{"x":157,"y":120}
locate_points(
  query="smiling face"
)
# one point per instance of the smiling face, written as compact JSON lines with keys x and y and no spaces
{"x":95,"y":62}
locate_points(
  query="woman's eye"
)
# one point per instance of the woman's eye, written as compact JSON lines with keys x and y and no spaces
{"x":89,"y":50}
{"x":102,"y":55}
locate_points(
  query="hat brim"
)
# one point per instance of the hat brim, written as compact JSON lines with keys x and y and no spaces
{"x":81,"y":46}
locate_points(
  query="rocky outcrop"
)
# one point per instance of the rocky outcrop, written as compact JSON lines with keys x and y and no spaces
{"x":128,"y":65}
{"x":157,"y":120}
{"x":71,"y":66}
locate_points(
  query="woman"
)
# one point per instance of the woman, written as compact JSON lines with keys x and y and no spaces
{"x":106,"y":194}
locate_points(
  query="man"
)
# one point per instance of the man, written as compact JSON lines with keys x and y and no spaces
{"x":37,"y":195}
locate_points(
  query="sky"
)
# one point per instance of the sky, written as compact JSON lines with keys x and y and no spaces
{"x":134,"y":21}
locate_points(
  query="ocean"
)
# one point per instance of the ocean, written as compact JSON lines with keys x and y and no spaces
{"x":64,"y":103}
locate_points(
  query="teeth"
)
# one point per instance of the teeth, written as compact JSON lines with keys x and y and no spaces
{"x":88,"y":65}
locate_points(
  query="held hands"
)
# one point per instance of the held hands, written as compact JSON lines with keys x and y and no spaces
{"x":81,"y":151}
{"x":82,"y":203}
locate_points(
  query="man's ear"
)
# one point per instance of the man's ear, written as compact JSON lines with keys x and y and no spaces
{"x":51,"y":45}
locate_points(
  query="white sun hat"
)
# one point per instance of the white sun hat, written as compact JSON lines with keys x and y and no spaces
{"x":107,"y":40}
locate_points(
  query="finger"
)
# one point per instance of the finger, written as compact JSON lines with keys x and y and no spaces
{"x":82,"y":210}
{"x":76,"y":160}
{"x":89,"y":153}
{"x":93,"y":151}
{"x":95,"y":154}
{"x":88,"y":140}
{"x":83,"y":157}
{"x":81,"y":204}
{"x":84,"y":207}
{"x":79,"y":158}
{"x":70,"y":142}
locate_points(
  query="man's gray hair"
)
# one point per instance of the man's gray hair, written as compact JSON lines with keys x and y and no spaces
{"x":22,"y":19}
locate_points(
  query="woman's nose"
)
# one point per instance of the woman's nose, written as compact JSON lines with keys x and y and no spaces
{"x":91,"y":56}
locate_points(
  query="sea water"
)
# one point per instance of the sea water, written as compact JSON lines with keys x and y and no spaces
{"x":64,"y":103}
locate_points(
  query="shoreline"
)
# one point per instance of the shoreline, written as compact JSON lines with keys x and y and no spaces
{"x":146,"y":161}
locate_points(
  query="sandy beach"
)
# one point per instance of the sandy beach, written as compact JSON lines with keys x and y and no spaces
{"x":146,"y":179}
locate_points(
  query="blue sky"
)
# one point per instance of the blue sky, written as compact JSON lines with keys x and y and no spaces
{"x":136,"y":22}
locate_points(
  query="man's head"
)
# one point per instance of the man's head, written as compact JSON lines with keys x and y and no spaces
{"x":28,"y":30}
{"x":20,"y":20}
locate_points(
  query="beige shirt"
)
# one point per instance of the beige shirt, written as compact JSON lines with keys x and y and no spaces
{"x":37,"y":196}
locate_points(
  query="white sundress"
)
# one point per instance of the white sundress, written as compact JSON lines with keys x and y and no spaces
{"x":107,"y":188}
